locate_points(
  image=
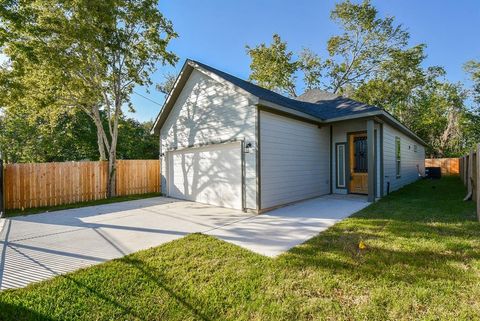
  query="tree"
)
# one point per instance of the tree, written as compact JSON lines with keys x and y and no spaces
{"x":135,"y":140}
{"x":28,"y":136}
{"x":438,"y":112}
{"x":31,"y":135}
{"x":473,"y":69}
{"x":366,"y":42}
{"x":396,"y":80}
{"x":166,"y":86}
{"x":95,"y":51}
{"x":274,"y":67}
{"x":356,"y":56}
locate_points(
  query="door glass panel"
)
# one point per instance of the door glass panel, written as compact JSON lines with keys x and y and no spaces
{"x":360,"y":150}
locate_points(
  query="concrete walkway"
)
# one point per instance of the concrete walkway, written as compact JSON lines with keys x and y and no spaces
{"x":40,"y":246}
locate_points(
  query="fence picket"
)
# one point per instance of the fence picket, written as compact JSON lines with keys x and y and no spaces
{"x":49,"y":184}
{"x":449,"y":166}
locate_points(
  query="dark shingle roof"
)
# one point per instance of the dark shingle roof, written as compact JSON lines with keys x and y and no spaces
{"x":323,"y":109}
{"x":315,"y":95}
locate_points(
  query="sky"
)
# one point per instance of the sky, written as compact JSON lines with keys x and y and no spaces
{"x":215,"y":32}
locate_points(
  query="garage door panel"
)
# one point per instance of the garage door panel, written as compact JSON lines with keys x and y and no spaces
{"x":209,"y":175}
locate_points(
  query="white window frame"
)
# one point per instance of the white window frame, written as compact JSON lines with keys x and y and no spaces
{"x":398,"y":157}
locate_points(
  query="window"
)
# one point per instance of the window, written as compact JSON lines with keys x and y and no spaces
{"x":340,"y":157}
{"x":415,"y":148}
{"x":398,"y":153}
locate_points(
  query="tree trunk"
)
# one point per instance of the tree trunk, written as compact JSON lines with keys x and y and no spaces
{"x":101,"y":145}
{"x":112,"y":168}
{"x":112,"y":155}
{"x":102,"y":140}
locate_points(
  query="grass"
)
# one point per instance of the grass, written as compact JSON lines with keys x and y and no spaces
{"x":421,"y":261}
{"x":36,"y":210}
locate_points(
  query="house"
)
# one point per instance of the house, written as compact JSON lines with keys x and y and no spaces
{"x":227,"y":142}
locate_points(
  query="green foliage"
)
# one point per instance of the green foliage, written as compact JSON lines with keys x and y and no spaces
{"x":366,"y":42}
{"x":272,"y":66}
{"x":473,"y":69}
{"x":36,"y":137}
{"x":166,"y":86}
{"x":135,"y":140}
{"x":311,"y":66}
{"x":28,"y":135}
{"x":395,"y":80}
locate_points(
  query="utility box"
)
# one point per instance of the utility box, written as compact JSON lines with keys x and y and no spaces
{"x":433,"y":172}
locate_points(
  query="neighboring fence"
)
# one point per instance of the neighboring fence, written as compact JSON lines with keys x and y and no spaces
{"x":51,"y":184}
{"x":449,"y":166}
{"x":470,"y":176}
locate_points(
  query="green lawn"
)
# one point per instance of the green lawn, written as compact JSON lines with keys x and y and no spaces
{"x":36,"y":210}
{"x":422,"y":261}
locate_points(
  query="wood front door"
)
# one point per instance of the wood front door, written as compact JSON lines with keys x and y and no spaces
{"x":358,"y":163}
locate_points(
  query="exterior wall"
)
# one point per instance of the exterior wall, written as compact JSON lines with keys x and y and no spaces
{"x":294,"y":160}
{"x":209,"y":111}
{"x":409,"y":159}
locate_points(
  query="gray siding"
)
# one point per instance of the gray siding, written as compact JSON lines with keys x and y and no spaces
{"x":294,"y":159}
{"x":208,"y":111}
{"x":409,"y":159}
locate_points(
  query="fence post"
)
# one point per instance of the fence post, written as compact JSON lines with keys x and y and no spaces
{"x":469,"y":173}
{"x":465,"y":179}
{"x":2,"y":196}
{"x":460,"y":168}
{"x":478,"y":182}
{"x":473,"y":154}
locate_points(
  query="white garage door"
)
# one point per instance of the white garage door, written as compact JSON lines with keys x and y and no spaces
{"x":211,"y":175}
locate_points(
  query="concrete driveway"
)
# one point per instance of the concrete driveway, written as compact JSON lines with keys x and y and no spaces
{"x":40,"y":246}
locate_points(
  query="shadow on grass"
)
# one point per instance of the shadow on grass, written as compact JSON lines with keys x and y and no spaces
{"x":158,"y":278}
{"x":9,"y":311}
{"x":414,"y":238}
{"x":423,"y":231}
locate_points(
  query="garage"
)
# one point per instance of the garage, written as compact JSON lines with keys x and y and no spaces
{"x":209,"y":174}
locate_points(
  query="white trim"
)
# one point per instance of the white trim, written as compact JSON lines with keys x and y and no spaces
{"x":169,"y":96}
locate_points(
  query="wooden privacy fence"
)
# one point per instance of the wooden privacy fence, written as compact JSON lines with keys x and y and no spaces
{"x":51,"y":184}
{"x":470,"y":176}
{"x":449,"y":166}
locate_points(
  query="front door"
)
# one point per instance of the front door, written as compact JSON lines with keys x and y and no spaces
{"x":358,"y":163}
